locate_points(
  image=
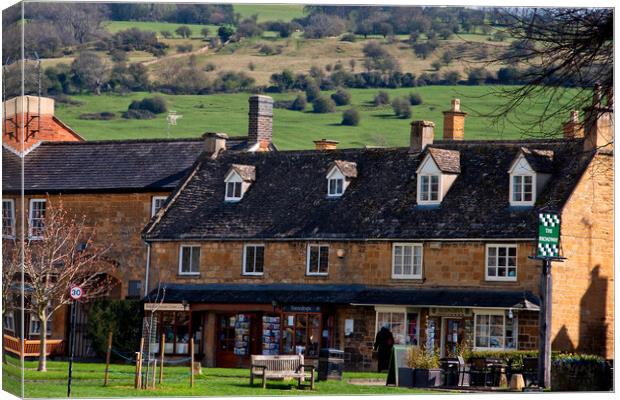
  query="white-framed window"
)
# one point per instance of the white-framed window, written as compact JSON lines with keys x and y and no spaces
{"x":234,"y":187}
{"x":336,"y":183}
{"x":407,"y":261}
{"x":495,"y":330}
{"x":318,"y":259}
{"x":501,"y":262}
{"x":335,"y":187}
{"x":8,"y":218}
{"x":404,"y":324}
{"x":36,"y":219}
{"x":522,"y":190}
{"x":8,"y":321}
{"x":156,"y":203}
{"x":189,"y":260}
{"x":35,"y":325}
{"x":428,"y":189}
{"x":253,"y":259}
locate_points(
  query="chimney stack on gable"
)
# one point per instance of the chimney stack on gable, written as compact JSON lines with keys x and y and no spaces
{"x":599,"y":123}
{"x":215,"y":143}
{"x":422,"y":134}
{"x":325,"y":144}
{"x":573,"y":128}
{"x":454,"y":122}
{"x":260,"y":121}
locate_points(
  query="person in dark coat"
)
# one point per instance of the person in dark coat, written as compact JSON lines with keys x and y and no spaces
{"x":383,"y":344}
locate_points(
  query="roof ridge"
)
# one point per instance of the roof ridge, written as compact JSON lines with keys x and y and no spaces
{"x":130,"y":141}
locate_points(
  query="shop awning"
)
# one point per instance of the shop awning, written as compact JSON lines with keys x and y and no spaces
{"x":284,"y":294}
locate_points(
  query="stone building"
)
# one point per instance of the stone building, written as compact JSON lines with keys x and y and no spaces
{"x":117,"y":185}
{"x":293,"y":251}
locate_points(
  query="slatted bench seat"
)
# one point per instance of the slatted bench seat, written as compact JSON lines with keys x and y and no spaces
{"x":280,"y":367}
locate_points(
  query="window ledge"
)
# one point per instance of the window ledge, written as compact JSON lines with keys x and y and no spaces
{"x":188,"y":275}
{"x":412,"y":279}
{"x":252,"y":275}
{"x":318,"y":275}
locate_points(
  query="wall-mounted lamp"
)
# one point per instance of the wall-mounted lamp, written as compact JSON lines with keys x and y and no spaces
{"x":274,"y":304}
{"x":340,"y":253}
{"x":510,"y":315}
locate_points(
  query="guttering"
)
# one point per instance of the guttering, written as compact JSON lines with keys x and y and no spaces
{"x":148,"y":267}
{"x":245,"y":239}
{"x":435,"y":306}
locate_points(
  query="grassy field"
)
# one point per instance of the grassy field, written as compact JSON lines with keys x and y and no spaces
{"x":88,"y":382}
{"x":157,"y":27}
{"x":295,"y":129}
{"x":270,"y":12}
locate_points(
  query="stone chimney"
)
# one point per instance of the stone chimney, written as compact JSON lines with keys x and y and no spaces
{"x":422,"y":134}
{"x":260,"y":121}
{"x":573,"y":128}
{"x":325,"y":144}
{"x":215,"y":143}
{"x":599,"y":123}
{"x":454,"y":122}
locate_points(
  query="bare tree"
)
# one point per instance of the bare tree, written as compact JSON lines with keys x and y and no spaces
{"x":64,"y":254}
{"x":558,"y":55}
{"x":91,"y":71}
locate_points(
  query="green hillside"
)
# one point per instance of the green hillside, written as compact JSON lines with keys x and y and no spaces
{"x":295,"y":129}
{"x":270,"y":12}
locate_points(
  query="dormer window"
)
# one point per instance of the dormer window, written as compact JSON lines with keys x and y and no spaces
{"x":339,"y":176}
{"x":238,"y":181}
{"x":529,"y":172}
{"x":436,"y":173}
{"x":429,"y":188}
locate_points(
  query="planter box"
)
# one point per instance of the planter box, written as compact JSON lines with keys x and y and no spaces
{"x":405,"y":377}
{"x":428,"y":377}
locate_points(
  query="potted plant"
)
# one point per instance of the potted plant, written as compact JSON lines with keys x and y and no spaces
{"x":424,"y":364}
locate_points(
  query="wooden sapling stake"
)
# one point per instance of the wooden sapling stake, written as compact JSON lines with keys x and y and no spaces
{"x":107,"y":358}
{"x":139,"y":365}
{"x":191,"y":363}
{"x":154,"y":373}
{"x":161,"y":358}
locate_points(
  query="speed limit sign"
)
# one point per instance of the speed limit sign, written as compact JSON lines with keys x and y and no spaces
{"x":76,"y":292}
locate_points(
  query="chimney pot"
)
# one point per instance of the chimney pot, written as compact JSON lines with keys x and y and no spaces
{"x":215,"y":143}
{"x":325,"y":144}
{"x":260,"y":123}
{"x":454,"y":122}
{"x":422,"y":134}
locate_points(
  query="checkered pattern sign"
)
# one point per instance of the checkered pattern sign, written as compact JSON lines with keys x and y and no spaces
{"x":548,"y":235}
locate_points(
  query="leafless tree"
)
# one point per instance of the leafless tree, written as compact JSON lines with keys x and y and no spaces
{"x":91,"y":71}
{"x":560,"y":54}
{"x":58,"y":255}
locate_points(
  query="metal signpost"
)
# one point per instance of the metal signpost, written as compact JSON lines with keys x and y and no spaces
{"x":547,"y":250}
{"x":76,"y":294}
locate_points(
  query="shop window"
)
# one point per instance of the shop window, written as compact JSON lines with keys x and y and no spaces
{"x":403,"y":325}
{"x":226,"y":340}
{"x":302,"y":334}
{"x":495,"y":330}
{"x":175,"y":327}
{"x":501,"y":262}
{"x":271,"y":335}
{"x":318,"y":259}
{"x":253,"y":259}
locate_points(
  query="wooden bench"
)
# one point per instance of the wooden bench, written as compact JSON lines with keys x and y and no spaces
{"x":280,"y":367}
{"x":32,"y":347}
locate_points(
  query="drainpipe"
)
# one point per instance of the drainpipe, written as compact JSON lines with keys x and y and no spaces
{"x":148,"y":267}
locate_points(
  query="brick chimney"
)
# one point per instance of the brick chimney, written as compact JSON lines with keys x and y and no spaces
{"x":325,"y":144}
{"x":32,"y":119}
{"x":454,"y":122}
{"x":215,"y":143}
{"x":599,"y":123}
{"x":260,"y":121}
{"x":422,"y":134}
{"x":573,"y":128}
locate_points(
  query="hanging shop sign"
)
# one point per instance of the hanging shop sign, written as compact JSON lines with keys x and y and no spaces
{"x":548,"y":235}
{"x":449,"y":312}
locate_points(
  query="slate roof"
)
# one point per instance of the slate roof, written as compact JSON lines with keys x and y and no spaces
{"x":348,"y":169}
{"x":246,"y":172}
{"x":448,"y":161}
{"x":101,"y":166}
{"x":312,"y":294}
{"x":288,"y":200}
{"x":540,"y":160}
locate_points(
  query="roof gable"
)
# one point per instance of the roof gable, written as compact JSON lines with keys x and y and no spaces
{"x":448,"y":161}
{"x":346,"y":168}
{"x":246,"y":173}
{"x":539,"y":160}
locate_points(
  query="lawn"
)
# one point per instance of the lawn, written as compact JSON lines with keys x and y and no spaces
{"x":88,"y":382}
{"x":295,"y":129}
